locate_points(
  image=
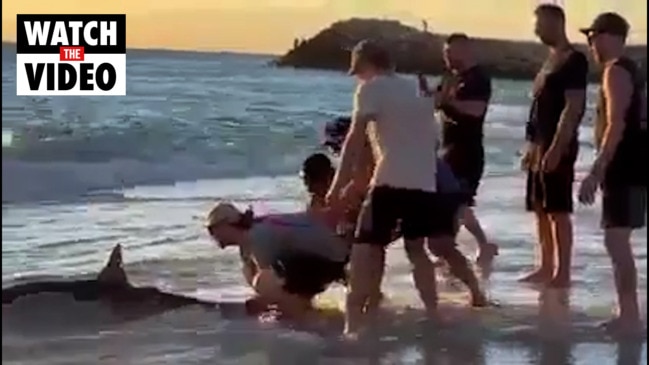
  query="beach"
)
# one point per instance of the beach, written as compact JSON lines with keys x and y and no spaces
{"x":82,"y":174}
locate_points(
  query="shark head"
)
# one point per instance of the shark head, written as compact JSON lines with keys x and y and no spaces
{"x":113,"y":272}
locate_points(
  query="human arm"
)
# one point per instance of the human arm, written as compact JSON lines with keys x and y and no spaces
{"x":617,"y":87}
{"x":365,"y":110}
{"x":576,"y":75}
{"x":424,"y":88}
{"x":471,"y":98}
{"x":249,"y":268}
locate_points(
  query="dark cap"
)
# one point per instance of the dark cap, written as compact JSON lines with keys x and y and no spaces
{"x":369,"y":52}
{"x":609,"y":23}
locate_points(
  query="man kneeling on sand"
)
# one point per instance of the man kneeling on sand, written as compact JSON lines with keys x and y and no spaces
{"x":288,"y":259}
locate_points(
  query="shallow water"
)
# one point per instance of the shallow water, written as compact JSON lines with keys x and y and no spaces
{"x":81,"y":174}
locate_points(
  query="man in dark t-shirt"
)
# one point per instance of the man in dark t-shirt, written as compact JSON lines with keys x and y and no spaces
{"x":559,"y":92}
{"x":462,"y":99}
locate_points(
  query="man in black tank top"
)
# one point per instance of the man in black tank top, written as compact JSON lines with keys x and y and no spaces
{"x":559,"y":93}
{"x":620,"y":168}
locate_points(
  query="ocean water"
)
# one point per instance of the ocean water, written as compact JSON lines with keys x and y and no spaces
{"x":82,"y":174}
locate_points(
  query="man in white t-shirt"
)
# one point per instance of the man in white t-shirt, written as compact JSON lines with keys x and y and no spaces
{"x":403,"y":135}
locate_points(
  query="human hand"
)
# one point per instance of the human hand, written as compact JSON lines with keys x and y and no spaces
{"x":588,"y":189}
{"x":424,"y":88}
{"x":550,"y":159}
{"x":527,"y":158}
{"x":333,"y":198}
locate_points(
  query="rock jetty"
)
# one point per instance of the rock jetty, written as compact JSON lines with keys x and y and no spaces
{"x":416,"y":50}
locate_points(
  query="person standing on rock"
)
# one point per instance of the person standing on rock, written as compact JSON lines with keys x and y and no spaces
{"x":559,"y":92}
{"x":620,"y":168}
{"x":463,"y":99}
{"x":402,"y":133}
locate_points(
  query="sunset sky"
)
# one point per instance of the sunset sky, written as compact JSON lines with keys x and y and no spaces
{"x":269,"y":26}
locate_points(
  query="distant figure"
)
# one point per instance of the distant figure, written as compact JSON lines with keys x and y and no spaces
{"x":559,"y":92}
{"x":424,"y":25}
{"x":296,"y":43}
{"x":620,"y":168}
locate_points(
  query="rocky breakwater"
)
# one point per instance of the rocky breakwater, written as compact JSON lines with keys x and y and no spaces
{"x":418,"y":51}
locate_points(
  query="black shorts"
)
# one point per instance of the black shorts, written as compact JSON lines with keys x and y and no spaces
{"x":624,"y":207}
{"x":417,"y":213}
{"x":306,"y":274}
{"x":550,"y":192}
{"x":468,"y":168}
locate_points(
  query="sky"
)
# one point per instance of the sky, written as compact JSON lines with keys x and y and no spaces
{"x":269,"y":26}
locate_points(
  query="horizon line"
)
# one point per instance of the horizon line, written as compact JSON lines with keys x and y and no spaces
{"x":261,"y":53}
{"x":182,"y":50}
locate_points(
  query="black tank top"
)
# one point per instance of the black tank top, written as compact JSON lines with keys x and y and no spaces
{"x":629,"y":165}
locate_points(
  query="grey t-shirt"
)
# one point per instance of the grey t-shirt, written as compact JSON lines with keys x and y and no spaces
{"x":295,"y":233}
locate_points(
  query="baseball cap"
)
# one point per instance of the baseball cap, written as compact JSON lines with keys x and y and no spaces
{"x":367,"y":51}
{"x":609,"y":23}
{"x":223,"y":212}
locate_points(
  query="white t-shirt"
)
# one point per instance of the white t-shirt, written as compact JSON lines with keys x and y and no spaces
{"x":403,"y":135}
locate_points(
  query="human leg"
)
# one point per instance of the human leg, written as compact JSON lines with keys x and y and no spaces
{"x":442,"y":244}
{"x":417,"y":225}
{"x":558,"y":206}
{"x":469,"y":171}
{"x":376,"y":222}
{"x":623,"y":210}
{"x":545,"y":249}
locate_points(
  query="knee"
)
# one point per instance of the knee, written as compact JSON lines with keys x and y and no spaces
{"x":618,"y":245}
{"x":560,"y":219}
{"x":415,"y":252}
{"x":442,"y":247}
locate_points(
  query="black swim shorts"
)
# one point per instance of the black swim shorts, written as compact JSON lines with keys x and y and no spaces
{"x":306,"y":274}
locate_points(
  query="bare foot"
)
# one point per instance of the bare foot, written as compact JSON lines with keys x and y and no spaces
{"x":537,"y":277}
{"x":618,"y":326}
{"x":479,"y":301}
{"x":351,"y":336}
{"x":559,"y":282}
{"x":487,"y":253}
